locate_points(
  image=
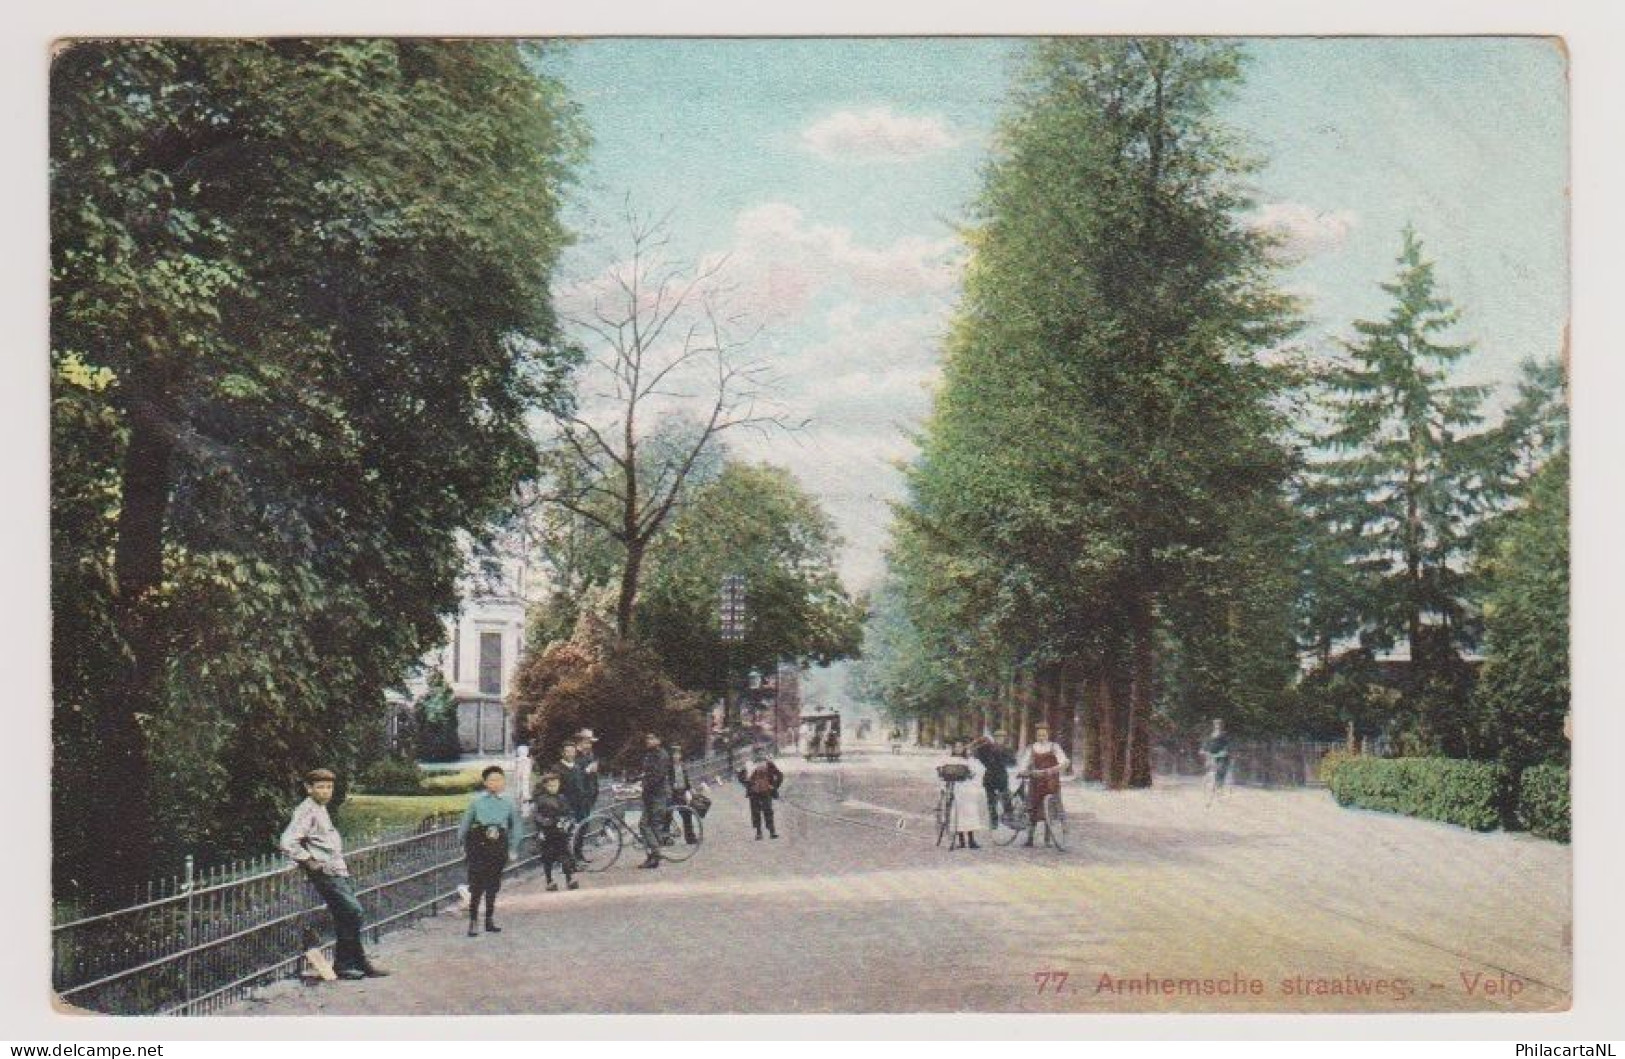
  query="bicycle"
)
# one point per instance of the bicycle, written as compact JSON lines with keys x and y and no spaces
{"x":944,"y":810}
{"x":597,"y":842}
{"x":1018,"y":820}
{"x":952,"y":775}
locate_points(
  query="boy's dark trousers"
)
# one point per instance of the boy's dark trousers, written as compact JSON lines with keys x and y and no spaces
{"x":761,"y":812}
{"x":339,"y":893}
{"x":556,"y":851}
{"x":486,"y":859}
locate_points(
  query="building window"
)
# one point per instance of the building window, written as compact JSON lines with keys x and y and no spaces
{"x":456,"y":653}
{"x":490,"y":663}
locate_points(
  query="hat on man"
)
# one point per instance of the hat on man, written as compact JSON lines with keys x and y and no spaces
{"x":586,"y":733}
{"x":319,"y":775}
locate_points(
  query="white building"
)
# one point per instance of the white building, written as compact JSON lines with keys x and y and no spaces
{"x":481,"y":650}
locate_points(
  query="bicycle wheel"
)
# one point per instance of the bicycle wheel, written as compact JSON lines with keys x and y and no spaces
{"x":945,"y":814}
{"x":684,"y":830}
{"x":1055,"y":821}
{"x":1013,"y":824}
{"x":596,"y":843}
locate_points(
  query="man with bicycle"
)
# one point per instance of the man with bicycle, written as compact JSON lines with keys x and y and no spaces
{"x":655,"y":791}
{"x":1041,"y":765}
{"x":996,"y":758}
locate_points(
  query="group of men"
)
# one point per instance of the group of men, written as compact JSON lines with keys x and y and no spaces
{"x":664,"y":783}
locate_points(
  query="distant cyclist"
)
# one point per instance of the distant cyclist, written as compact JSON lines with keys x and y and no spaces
{"x":1216,"y":749}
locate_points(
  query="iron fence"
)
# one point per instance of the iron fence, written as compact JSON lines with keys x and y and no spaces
{"x":196,"y":943}
{"x":1259,"y":763}
{"x":206,"y":939}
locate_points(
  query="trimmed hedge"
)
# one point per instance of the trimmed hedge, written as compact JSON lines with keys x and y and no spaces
{"x":1465,"y":793}
{"x":391,"y":775}
{"x":1543,"y":801}
{"x":1330,"y":762}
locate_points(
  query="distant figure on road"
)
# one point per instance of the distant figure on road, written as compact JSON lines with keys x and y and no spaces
{"x":969,"y":813}
{"x":761,"y":787}
{"x":312,"y":842}
{"x":1041,"y":765}
{"x":553,"y":816}
{"x":996,"y":758}
{"x":573,"y":782}
{"x":589,"y":767}
{"x":490,"y":832}
{"x":682,"y":788}
{"x":656,"y":792}
{"x":1216,"y":749}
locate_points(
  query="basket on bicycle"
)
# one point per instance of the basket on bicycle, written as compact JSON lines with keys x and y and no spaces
{"x":953,"y":772}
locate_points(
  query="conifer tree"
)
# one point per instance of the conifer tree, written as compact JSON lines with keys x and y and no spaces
{"x":1404,"y":486}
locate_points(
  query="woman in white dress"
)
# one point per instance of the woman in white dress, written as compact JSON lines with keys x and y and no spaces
{"x":969,"y":813}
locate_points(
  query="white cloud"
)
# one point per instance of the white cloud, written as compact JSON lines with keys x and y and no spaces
{"x":877,"y":134}
{"x":1303,"y":231}
{"x":780,"y":261}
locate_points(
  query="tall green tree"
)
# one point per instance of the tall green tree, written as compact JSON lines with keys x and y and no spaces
{"x":757,"y":521}
{"x":1523,"y":692}
{"x":1403,"y":488}
{"x":1105,"y":422}
{"x":299,"y":311}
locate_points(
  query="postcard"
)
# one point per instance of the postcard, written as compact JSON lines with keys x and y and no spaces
{"x":828,"y":525}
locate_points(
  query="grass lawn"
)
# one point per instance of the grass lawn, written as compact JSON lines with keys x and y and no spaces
{"x":368,"y":814}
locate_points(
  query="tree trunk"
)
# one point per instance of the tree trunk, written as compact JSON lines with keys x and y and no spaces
{"x":1094,"y":705}
{"x":629,"y":588}
{"x":1024,"y":706}
{"x":1138,"y":735}
{"x":122,"y":831}
{"x":1113,"y":712}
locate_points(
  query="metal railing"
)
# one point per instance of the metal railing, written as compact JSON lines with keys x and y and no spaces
{"x":1259,"y":763}
{"x":198,"y":942}
{"x":204,"y":940}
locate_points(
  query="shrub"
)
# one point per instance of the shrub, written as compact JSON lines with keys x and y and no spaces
{"x":1543,"y":801}
{"x":1330,"y":762}
{"x":462,"y":781}
{"x":1451,"y":790}
{"x":435,"y":720}
{"x":392,"y":775}
{"x":598,"y":680}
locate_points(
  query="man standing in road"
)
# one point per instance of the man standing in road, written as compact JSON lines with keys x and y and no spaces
{"x":573,"y":785}
{"x":682,"y":789}
{"x":589,"y":768}
{"x":312,"y":842}
{"x":656,"y":792}
{"x":1216,"y":748}
{"x":996,"y":758}
{"x":761,"y":787}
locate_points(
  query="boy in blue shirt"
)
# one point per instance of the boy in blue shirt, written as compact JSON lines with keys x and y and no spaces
{"x":490,"y":832}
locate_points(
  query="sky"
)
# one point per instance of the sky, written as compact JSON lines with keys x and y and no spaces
{"x":831,"y":179}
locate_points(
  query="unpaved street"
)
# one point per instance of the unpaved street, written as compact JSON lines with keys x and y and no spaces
{"x":1268,"y":901}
